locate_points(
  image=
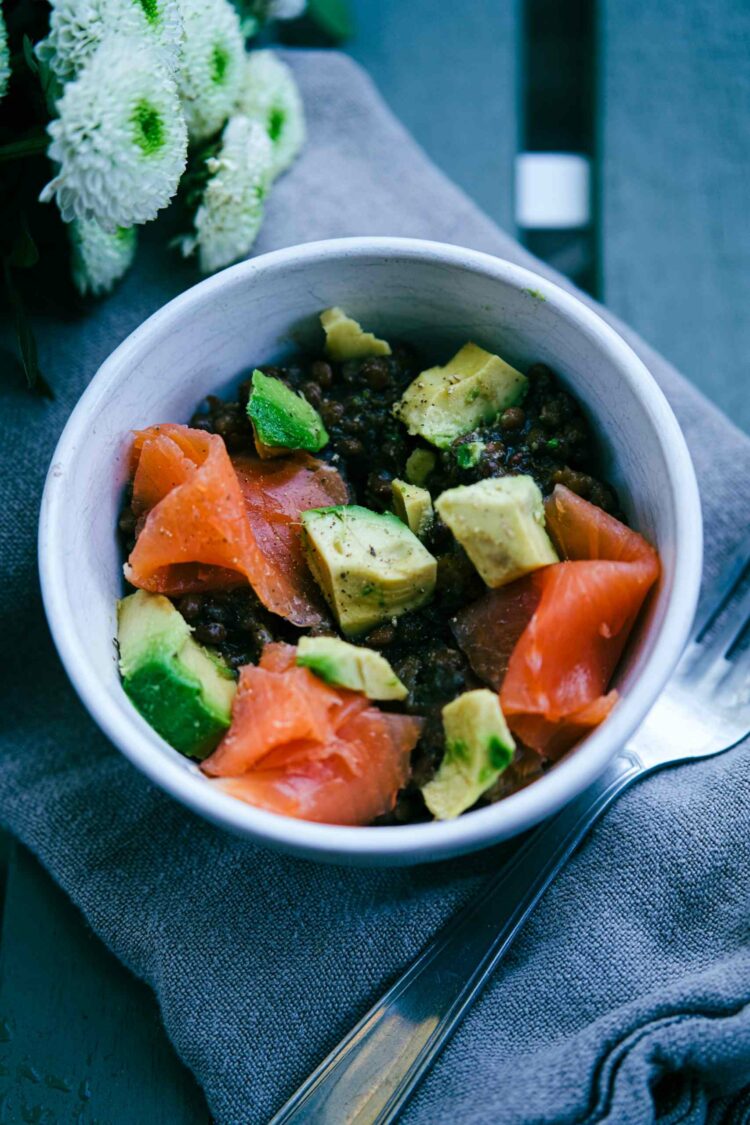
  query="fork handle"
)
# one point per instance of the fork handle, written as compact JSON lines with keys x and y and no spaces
{"x":367,"y":1078}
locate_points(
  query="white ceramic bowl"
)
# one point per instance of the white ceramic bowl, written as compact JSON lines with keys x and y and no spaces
{"x":437,"y":297}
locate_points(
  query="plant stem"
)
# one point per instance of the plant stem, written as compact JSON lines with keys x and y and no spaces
{"x":30,"y":146}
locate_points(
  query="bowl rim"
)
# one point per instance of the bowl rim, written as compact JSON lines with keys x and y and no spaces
{"x":402,"y":843}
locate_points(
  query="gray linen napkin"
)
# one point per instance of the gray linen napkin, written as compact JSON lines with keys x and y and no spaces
{"x":627,"y":995}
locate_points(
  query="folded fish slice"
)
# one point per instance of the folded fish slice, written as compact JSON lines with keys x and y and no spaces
{"x":489,"y":629}
{"x":568,"y":652}
{"x":273,"y":710}
{"x":300,"y":747}
{"x":164,"y":468}
{"x":553,"y":738}
{"x":555,"y":687}
{"x":204,"y":528}
{"x":352,"y":785}
{"x":276,"y":493}
{"x":580,"y":530}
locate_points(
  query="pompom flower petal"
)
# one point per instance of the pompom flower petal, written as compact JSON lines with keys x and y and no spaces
{"x":120,"y":140}
{"x":100,"y":258}
{"x":78,"y":27}
{"x":269,"y":94}
{"x":212,"y":56}
{"x":4,"y":56}
{"x":231,"y":211}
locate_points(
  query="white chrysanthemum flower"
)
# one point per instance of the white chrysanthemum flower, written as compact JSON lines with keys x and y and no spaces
{"x":100,"y":258}
{"x":269,"y":95}
{"x":120,"y":140}
{"x":231,"y":211}
{"x":286,"y":9}
{"x":4,"y":56}
{"x":78,"y":27}
{"x":212,"y":55}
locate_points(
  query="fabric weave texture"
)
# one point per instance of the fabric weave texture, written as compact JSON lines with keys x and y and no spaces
{"x":627,"y":996}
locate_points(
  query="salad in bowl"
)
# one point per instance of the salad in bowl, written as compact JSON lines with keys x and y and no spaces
{"x":373,"y":590}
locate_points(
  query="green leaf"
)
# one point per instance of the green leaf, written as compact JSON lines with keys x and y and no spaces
{"x":25,"y":336}
{"x":28,"y":53}
{"x":23,"y":252}
{"x":332,"y":16}
{"x":34,"y":144}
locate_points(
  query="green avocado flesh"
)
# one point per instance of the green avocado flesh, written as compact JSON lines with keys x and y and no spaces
{"x":282,"y":418}
{"x":413,"y":506}
{"x":444,"y":403}
{"x":478,"y":747}
{"x":419,"y":464}
{"x":350,"y":666}
{"x":369,"y":565}
{"x":184,"y":692}
{"x":500,"y":524}
{"x":468,"y":455}
{"x":345,"y":339}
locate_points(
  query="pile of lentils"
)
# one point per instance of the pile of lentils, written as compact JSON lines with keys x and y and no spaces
{"x":546,"y":436}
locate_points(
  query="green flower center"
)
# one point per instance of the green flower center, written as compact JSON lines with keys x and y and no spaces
{"x":276,"y":120}
{"x":125,"y":235}
{"x":148,"y":127}
{"x":150,"y":10}
{"x":219,"y":64}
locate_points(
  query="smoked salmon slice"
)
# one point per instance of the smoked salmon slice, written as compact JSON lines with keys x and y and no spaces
{"x":166,"y":466}
{"x":489,"y":629}
{"x":557,"y":736}
{"x":355,"y":782}
{"x":551,"y":641}
{"x":206,"y":524}
{"x":580,"y":530}
{"x":276,"y":493}
{"x":303,"y":748}
{"x":275,"y":709}
{"x":555,"y":686}
{"x":278,"y":657}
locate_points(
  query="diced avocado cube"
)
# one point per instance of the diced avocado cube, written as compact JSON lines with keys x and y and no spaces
{"x":478,"y":747}
{"x":181,"y":689}
{"x":468,"y":454}
{"x":350,"y":666}
{"x":444,"y":403}
{"x":413,"y":505}
{"x":369,"y":566}
{"x":346,"y":340}
{"x":282,"y":419}
{"x":419,"y":465}
{"x":500,"y":524}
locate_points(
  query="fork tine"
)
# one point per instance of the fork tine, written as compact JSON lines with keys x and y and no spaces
{"x":722,"y":639}
{"x":737,"y":683}
{"x":719,"y":592}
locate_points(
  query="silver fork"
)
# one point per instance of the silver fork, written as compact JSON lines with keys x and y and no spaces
{"x":704,"y":710}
